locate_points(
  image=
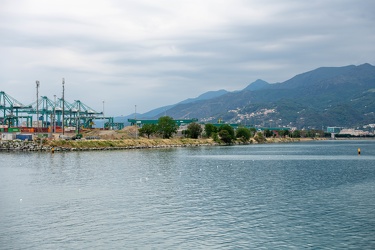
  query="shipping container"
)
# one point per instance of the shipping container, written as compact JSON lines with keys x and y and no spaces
{"x":27,"y":130}
{"x":14,"y":130}
{"x":40,"y":130}
{"x":44,"y":130}
{"x":24,"y":137}
{"x":8,"y":136}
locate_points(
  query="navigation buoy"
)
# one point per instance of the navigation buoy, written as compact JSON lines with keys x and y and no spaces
{"x":52,"y":150}
{"x":359,"y":151}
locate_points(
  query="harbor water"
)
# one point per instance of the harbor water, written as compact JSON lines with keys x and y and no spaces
{"x":313,"y":195}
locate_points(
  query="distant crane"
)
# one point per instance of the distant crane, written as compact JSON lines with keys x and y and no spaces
{"x":11,"y":109}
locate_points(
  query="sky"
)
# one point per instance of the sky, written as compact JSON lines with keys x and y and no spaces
{"x":125,"y":56}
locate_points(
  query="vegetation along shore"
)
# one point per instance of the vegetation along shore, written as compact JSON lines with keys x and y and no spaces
{"x":121,"y":144}
{"x":137,"y":138}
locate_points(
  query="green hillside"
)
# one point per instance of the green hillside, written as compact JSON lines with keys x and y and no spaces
{"x":329,"y":96}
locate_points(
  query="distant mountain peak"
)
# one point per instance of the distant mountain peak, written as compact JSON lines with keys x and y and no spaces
{"x":257,"y":85}
{"x":212,"y":94}
{"x":328,"y":75}
{"x":206,"y":96}
{"x":366,"y":65}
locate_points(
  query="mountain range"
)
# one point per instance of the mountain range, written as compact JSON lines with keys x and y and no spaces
{"x":327,"y":96}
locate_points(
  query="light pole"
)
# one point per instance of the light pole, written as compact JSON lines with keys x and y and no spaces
{"x":37,"y":106}
{"x":103,"y":108}
{"x":63,"y":104}
{"x":135,"y":121}
{"x":78,"y":120}
{"x":54,"y":114}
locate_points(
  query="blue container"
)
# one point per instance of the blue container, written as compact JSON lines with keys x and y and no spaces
{"x":24,"y":137}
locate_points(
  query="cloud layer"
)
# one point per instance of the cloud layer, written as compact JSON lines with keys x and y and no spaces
{"x":154,"y":53}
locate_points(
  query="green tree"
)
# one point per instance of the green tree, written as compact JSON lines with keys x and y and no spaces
{"x":296,"y":134}
{"x":166,"y":127}
{"x":243,"y":134}
{"x":227,"y":136}
{"x":194,"y":130}
{"x":227,"y":128}
{"x":310,"y":133}
{"x":210,"y":129}
{"x":283,"y":133}
{"x":314,"y":133}
{"x":148,"y":129}
{"x":215,"y":137}
{"x":303,"y":133}
{"x":268,"y":133}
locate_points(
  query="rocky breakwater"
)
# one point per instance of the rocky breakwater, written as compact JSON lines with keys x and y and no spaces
{"x":18,"y":145}
{"x":91,"y":145}
{"x":141,"y":143}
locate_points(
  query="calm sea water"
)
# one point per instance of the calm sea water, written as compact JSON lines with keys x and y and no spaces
{"x":317,"y":195}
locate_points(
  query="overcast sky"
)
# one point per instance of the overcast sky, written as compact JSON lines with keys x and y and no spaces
{"x":152,"y":53}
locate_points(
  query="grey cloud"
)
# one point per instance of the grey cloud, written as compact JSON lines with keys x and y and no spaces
{"x":166,"y":61}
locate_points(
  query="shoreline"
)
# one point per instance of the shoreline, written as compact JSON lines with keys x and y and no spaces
{"x":127,"y":144}
{"x":140,"y":143}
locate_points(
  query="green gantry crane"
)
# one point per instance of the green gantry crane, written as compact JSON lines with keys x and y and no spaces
{"x":11,"y":111}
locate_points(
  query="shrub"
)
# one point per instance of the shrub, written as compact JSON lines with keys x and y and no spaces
{"x":210,"y":129}
{"x":259,"y":137}
{"x":243,"y":134}
{"x":194,"y":130}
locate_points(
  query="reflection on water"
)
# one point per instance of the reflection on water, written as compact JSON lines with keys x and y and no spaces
{"x":304,"y":195}
{"x":275,"y":157}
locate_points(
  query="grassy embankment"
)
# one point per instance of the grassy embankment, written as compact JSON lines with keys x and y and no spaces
{"x":128,"y":143}
{"x":125,"y":138}
{"x":150,"y":143}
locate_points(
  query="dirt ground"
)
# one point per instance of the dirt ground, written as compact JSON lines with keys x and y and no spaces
{"x":125,"y":133}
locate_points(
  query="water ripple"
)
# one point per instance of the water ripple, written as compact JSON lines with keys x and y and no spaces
{"x":269,"y":197}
